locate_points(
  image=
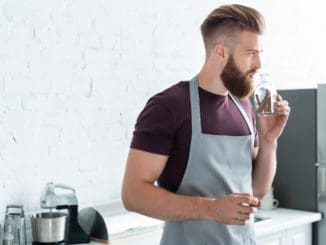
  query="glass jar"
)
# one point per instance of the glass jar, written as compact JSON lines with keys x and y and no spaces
{"x":264,"y":96}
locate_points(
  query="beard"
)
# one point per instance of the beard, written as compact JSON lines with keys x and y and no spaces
{"x":238,"y":83}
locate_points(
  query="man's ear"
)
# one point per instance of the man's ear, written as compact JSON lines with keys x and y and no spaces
{"x":220,"y":51}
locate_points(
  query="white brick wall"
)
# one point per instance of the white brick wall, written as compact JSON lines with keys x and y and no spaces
{"x":75,"y":74}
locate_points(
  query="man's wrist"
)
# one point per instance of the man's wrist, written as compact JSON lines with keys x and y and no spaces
{"x":271,"y":144}
{"x":210,"y":210}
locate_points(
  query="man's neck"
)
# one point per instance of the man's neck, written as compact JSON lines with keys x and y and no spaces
{"x":210,"y":80}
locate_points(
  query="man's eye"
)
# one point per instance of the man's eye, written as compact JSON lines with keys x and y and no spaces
{"x":251,"y":53}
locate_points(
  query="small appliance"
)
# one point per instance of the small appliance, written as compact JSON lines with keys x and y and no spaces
{"x":48,"y":226}
{"x":14,"y":225}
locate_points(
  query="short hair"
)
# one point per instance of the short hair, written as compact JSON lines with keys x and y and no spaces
{"x":224,"y":24}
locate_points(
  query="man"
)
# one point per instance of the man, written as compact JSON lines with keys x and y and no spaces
{"x":197,"y":141}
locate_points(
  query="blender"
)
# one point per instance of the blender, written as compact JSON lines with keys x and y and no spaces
{"x":58,"y":227}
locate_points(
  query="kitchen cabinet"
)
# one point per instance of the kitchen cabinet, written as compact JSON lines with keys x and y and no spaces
{"x":301,"y":235}
{"x":272,"y":239}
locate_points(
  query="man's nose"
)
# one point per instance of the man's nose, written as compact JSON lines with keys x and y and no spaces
{"x":257,"y":62}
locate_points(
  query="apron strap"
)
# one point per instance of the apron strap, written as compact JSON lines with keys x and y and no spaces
{"x":245,"y":117}
{"x":195,"y":110}
{"x":195,"y":106}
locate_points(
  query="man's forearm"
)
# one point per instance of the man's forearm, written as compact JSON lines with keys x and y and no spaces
{"x":158,"y":203}
{"x":264,"y":168}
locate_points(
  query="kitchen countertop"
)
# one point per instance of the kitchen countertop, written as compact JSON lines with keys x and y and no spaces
{"x":281,"y":219}
{"x":131,"y":228}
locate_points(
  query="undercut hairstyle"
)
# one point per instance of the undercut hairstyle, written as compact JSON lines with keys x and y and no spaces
{"x":224,"y":24}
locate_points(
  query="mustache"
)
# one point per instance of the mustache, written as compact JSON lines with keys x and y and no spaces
{"x":251,"y":71}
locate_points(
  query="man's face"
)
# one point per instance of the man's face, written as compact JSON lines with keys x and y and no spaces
{"x":242,"y":64}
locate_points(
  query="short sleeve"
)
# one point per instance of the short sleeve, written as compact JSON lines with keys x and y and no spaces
{"x":155,"y":129}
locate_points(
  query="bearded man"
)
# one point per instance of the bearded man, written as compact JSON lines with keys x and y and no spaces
{"x":196,"y":159}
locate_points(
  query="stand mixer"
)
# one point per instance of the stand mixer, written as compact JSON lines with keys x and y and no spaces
{"x":60,"y":196}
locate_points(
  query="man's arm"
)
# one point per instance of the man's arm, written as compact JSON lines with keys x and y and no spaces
{"x":140,"y":194}
{"x":270,"y":129}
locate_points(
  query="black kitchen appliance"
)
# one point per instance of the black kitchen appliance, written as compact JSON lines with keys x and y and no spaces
{"x":300,"y":181}
{"x":63,"y":197}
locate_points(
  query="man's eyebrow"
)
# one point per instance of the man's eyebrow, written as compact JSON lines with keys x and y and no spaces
{"x":255,"y":50}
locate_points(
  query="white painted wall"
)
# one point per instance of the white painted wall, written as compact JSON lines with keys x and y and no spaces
{"x":75,"y":74}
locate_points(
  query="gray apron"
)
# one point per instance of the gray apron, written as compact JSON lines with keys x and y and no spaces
{"x":217,"y":165}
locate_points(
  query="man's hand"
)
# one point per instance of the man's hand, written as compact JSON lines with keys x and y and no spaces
{"x":234,"y":209}
{"x":271,"y":127}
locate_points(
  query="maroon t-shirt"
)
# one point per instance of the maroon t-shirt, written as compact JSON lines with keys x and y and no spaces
{"x":164,"y":126}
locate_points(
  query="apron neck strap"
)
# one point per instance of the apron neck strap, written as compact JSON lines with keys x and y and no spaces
{"x":195,"y":109}
{"x":245,"y":117}
{"x":195,"y":106}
